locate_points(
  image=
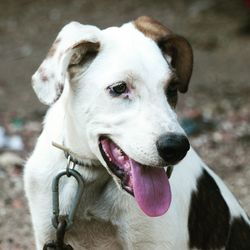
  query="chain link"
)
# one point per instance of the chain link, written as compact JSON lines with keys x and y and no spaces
{"x":59,"y":244}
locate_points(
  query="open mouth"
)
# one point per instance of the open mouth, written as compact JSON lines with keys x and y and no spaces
{"x":149,"y":185}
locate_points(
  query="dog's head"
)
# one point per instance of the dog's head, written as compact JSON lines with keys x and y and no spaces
{"x":120,"y":86}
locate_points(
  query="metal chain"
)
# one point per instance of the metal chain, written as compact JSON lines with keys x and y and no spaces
{"x":68,"y":165}
{"x":59,"y":244}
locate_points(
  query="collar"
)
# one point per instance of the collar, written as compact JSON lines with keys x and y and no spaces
{"x":69,"y":154}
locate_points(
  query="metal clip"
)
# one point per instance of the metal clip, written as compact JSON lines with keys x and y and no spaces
{"x":55,"y":196}
{"x":68,"y":165}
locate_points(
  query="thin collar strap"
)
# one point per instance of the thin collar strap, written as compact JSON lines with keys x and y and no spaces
{"x":78,"y":160}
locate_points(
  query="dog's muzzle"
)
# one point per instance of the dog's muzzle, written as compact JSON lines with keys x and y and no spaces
{"x":149,"y":185}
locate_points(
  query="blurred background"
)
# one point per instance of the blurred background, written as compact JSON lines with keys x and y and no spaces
{"x":215,"y":112}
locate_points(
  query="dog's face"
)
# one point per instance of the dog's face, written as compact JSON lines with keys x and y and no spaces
{"x":121,"y":86}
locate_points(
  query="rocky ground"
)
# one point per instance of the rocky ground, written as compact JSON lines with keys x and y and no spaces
{"x":215,"y":112}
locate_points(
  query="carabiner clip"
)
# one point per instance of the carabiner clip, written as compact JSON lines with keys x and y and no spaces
{"x":55,"y":197}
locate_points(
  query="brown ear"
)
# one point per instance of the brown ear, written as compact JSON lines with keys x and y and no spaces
{"x":181,"y":54}
{"x":173,"y":46}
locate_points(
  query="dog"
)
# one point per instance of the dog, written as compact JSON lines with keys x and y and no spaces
{"x":112,"y":95}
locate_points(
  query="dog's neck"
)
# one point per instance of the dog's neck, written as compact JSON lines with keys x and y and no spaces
{"x":77,"y":142}
{"x":74,"y":136}
{"x":65,"y":132}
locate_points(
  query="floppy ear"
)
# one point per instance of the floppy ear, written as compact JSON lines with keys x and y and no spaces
{"x":180,"y":52}
{"x":174,"y":46}
{"x":73,"y":42}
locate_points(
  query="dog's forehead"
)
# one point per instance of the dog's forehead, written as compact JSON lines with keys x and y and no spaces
{"x":130,"y":39}
{"x":134,"y":52}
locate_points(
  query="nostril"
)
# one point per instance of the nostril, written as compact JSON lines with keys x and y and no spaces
{"x":172,"y":147}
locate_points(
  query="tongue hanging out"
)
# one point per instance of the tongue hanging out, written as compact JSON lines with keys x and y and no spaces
{"x":149,"y":185}
{"x":151,"y":189}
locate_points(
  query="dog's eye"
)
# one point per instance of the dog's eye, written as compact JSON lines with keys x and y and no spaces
{"x":118,"y":88}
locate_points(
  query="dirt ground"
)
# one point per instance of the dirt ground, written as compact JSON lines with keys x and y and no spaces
{"x":215,"y":111}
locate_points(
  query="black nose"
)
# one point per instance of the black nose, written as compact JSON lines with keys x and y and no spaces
{"x":172,"y":147}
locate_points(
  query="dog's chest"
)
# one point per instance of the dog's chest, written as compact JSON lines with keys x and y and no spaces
{"x":92,"y":227}
{"x":94,"y":234}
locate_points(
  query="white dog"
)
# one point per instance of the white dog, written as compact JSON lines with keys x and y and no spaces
{"x":112,"y":94}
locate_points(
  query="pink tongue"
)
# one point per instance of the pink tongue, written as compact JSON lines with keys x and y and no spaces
{"x":151,"y":189}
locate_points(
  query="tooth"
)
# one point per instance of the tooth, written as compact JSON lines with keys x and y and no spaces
{"x":121,"y":158}
{"x":129,"y":189}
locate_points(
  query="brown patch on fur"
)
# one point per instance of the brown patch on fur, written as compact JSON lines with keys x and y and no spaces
{"x":171,"y":91}
{"x":180,"y":51}
{"x":53,"y":48}
{"x":85,"y":52}
{"x":176,"y":47}
{"x":82,"y":48}
{"x":89,"y":45}
{"x":209,"y":216}
{"x":59,"y":90}
{"x":43,"y":76}
{"x":151,"y":28}
{"x":239,"y":235}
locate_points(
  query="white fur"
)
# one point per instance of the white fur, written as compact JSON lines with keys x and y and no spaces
{"x":109,"y":218}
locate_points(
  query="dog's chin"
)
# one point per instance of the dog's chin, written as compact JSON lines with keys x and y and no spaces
{"x":149,"y":185}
